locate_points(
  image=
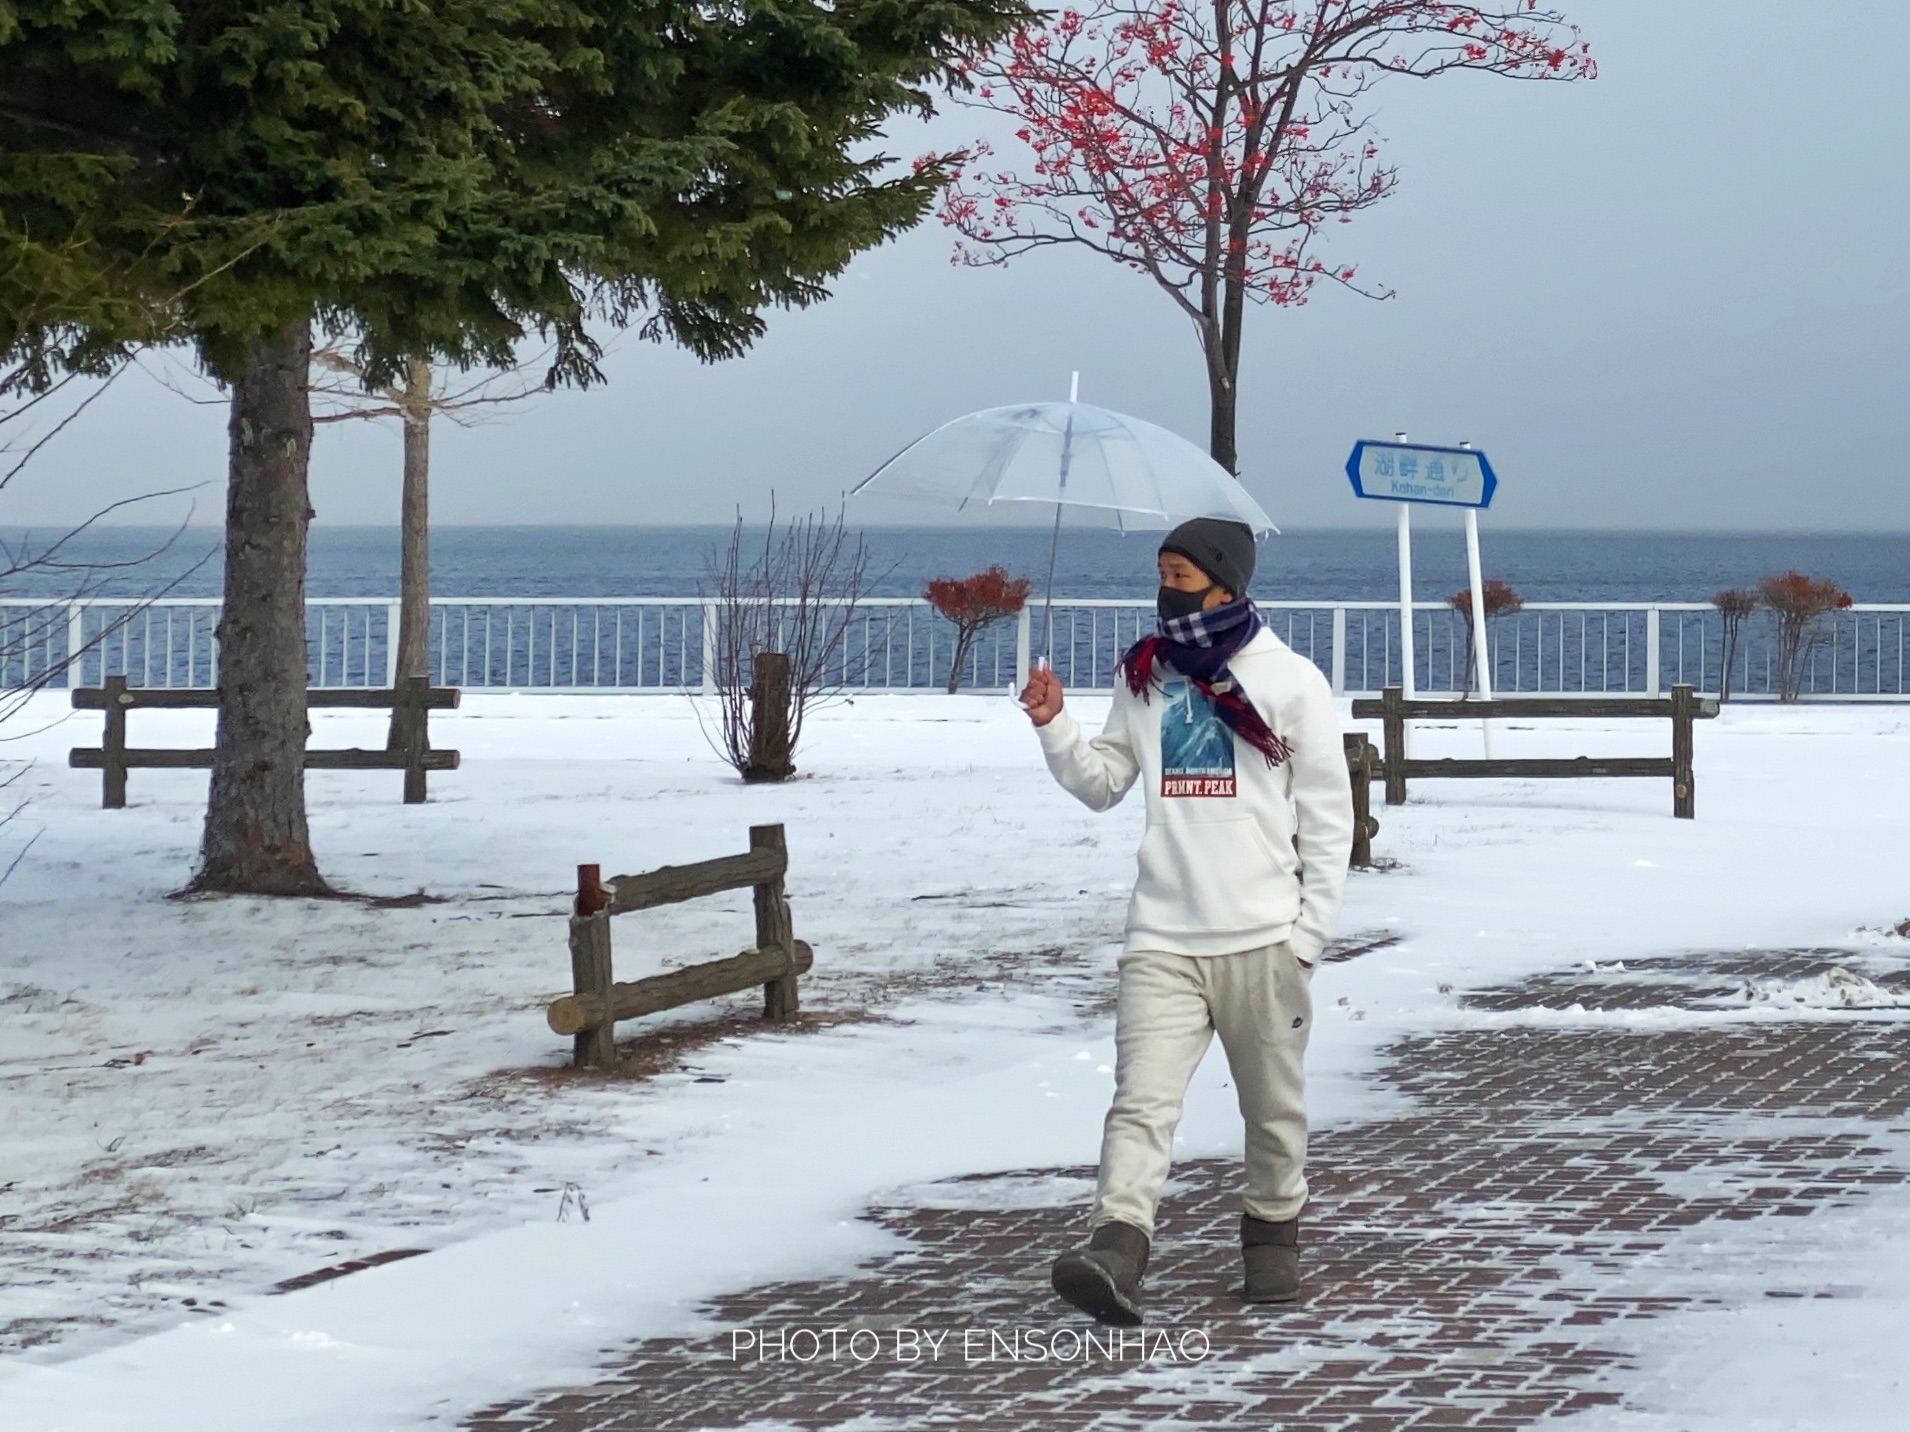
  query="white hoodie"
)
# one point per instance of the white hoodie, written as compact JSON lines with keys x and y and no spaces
{"x":1219,"y":867}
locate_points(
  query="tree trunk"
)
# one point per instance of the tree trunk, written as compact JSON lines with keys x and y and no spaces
{"x":1223,"y":374}
{"x":964,"y":639}
{"x":1790,"y":643}
{"x":1220,"y":345}
{"x":255,"y":834}
{"x":1221,"y":445}
{"x":414,"y":526}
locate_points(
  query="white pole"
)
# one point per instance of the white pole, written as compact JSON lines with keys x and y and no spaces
{"x":1406,"y":594}
{"x":1478,"y":604}
{"x":1479,"y":621}
{"x":1478,"y":616}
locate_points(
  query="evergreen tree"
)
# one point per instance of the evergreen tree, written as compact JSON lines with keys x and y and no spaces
{"x":443,"y":180}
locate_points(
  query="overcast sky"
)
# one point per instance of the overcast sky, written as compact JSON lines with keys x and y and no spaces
{"x":1672,"y":298}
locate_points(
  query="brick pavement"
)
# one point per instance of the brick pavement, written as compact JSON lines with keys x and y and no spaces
{"x":1462,"y":1260}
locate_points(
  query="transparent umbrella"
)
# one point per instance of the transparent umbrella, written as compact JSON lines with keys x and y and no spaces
{"x":1135,"y":475}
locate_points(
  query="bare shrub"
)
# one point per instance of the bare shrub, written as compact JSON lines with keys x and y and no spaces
{"x":794,"y":593}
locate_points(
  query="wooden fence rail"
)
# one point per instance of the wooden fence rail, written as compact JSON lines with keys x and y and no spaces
{"x":589,"y":1014}
{"x":1683,"y":707}
{"x":412,"y":699}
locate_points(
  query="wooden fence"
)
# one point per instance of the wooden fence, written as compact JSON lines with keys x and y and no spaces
{"x":1683,"y":708}
{"x":413,"y":699}
{"x":590,"y":1013}
{"x":1363,"y":766}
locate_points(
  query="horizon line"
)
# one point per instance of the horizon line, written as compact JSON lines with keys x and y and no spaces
{"x":1036,"y":528}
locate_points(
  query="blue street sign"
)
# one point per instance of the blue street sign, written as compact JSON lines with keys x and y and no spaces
{"x":1408,"y":472}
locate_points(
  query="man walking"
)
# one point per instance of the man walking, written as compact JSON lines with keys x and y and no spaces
{"x":1249,"y":828}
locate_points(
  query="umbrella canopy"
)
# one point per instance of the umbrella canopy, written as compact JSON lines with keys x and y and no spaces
{"x":1139,"y":476}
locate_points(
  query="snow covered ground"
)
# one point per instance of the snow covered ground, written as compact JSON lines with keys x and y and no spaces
{"x":204,"y":1098}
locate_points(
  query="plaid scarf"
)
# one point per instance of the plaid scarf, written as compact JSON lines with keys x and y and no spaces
{"x":1199,"y":646}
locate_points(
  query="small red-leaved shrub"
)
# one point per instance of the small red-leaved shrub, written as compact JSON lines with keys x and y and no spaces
{"x":1499,"y":600}
{"x":1799,"y":603}
{"x":974,"y":604}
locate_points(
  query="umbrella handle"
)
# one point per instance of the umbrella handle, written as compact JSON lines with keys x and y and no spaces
{"x":1035,"y":663}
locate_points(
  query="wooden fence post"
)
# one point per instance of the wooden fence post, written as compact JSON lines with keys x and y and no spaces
{"x":1359,"y":768}
{"x":1393,"y":727}
{"x":1684,"y":795}
{"x":595,"y":1047}
{"x":409,"y":701}
{"x":113,"y":768}
{"x":769,"y":698}
{"x":774,"y":929}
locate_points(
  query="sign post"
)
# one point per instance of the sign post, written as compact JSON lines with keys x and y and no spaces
{"x":1408,"y":665}
{"x":1406,"y":473}
{"x":1478,"y":608}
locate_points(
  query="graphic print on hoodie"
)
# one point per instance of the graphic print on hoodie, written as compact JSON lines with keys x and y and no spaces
{"x":1197,"y":748}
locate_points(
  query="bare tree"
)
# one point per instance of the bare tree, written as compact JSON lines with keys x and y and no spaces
{"x":1213,"y":147}
{"x":793,"y":598}
{"x":12,"y":807}
{"x":37,"y":646}
{"x":423,"y":392}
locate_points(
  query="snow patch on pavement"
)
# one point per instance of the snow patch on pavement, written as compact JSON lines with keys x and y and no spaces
{"x":1835,"y":988}
{"x":1805,"y":1334}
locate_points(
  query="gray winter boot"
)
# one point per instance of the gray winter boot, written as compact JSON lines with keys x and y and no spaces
{"x":1104,"y":1279}
{"x":1272,"y":1252}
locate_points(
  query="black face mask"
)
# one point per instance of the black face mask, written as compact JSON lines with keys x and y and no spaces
{"x":1173,"y":604}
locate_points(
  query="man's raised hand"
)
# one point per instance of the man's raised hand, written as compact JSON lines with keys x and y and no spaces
{"x":1041,"y":698}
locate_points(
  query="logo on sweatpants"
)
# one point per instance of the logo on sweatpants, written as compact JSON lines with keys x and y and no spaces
{"x":1197,"y":749}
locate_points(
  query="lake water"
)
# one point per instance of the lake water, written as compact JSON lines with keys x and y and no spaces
{"x":1317,"y":566}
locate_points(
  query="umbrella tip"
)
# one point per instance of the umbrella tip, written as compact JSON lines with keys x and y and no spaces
{"x":1074,"y":386}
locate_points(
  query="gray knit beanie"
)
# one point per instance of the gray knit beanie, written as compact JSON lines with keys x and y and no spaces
{"x":1222,"y":549}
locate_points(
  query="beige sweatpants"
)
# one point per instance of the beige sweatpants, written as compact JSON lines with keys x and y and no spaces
{"x":1169,"y":1009}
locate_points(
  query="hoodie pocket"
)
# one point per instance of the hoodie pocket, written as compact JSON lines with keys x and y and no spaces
{"x":1213,"y":875}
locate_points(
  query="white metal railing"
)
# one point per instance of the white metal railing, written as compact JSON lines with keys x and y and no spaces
{"x":667,"y":644}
